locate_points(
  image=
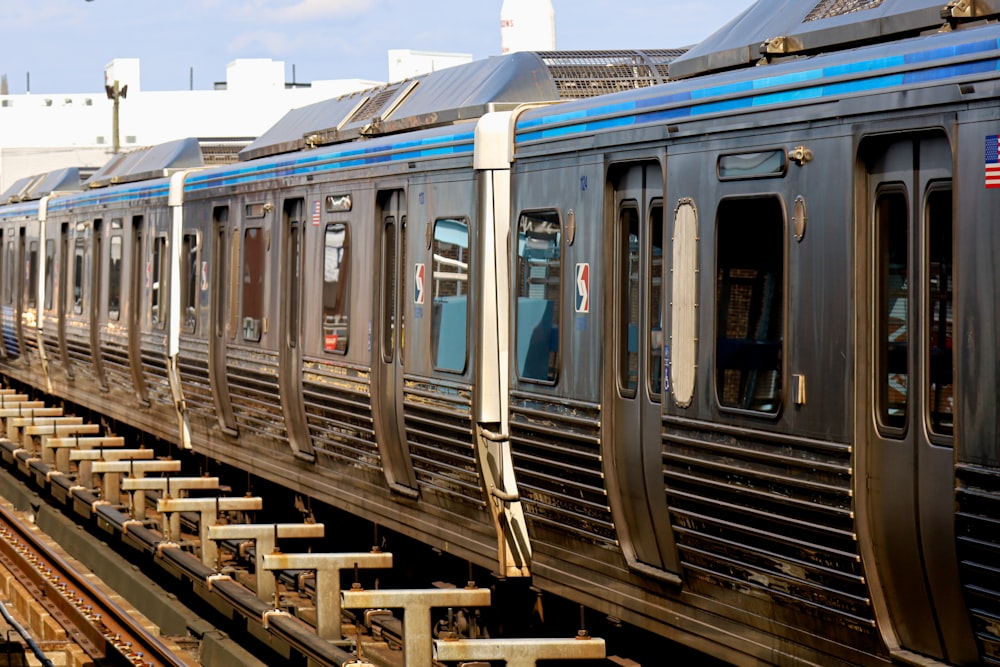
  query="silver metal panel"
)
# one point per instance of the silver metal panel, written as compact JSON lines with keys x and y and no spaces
{"x":782,"y":27}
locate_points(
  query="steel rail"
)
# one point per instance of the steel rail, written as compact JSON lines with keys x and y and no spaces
{"x":104,"y":630}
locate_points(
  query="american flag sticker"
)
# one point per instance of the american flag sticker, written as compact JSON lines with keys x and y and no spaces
{"x":316,"y":213}
{"x":993,"y":161}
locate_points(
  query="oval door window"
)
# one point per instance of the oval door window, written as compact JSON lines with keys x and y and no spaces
{"x":684,"y":305}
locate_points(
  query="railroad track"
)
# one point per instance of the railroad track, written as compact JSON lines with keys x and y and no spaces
{"x":81,"y":475}
{"x":105,"y":631}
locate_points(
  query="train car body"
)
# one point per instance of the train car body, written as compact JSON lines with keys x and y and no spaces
{"x":715,"y":357}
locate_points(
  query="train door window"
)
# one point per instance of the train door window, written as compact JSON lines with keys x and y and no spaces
{"x":628,"y":299}
{"x":10,"y":265}
{"x":449,"y":322}
{"x":137,"y":271}
{"x":402,"y":286}
{"x":655,"y":359}
{"x":294,"y":267}
{"x":389,"y":288}
{"x":253,"y":283}
{"x":684,"y":303}
{"x":115,"y":278}
{"x":96,"y":262}
{"x":940,"y":398}
{"x":750,"y":303}
{"x":31,"y":269}
{"x":234,"y":282}
{"x":539,"y":289}
{"x":158,"y":289}
{"x":50,"y":258}
{"x":336,"y":287}
{"x":189,"y":282}
{"x":893,"y":306}
{"x":79,"y":271}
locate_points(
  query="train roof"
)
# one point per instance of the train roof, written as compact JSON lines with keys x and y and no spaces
{"x":160,"y":160}
{"x":35,"y":187}
{"x":775,"y":29}
{"x":462,"y":93}
{"x":959,"y":55}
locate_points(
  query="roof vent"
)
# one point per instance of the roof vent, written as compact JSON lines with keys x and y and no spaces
{"x":825,"y":9}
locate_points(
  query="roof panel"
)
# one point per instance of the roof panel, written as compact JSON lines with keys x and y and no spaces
{"x":779,"y":28}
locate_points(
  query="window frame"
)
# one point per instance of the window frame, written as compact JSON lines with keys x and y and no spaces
{"x":434,"y":287}
{"x":555,"y":369}
{"x":344,"y":293}
{"x":258,"y":301}
{"x":880,"y":356}
{"x":781,"y":283}
{"x":190,"y":292}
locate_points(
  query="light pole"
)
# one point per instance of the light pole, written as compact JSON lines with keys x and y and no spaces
{"x":116,"y":93}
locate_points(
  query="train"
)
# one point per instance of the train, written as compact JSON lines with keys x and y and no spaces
{"x":711,"y":356}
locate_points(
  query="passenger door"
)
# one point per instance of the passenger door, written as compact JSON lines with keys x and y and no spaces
{"x":634,"y":368}
{"x":222,"y":264}
{"x":290,"y":345}
{"x":908,"y":428}
{"x":389,"y":341}
{"x":97,"y":323}
{"x":137,"y":283}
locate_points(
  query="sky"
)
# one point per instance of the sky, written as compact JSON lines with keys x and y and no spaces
{"x":62,"y":46}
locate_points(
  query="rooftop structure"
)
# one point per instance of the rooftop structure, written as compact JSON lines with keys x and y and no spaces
{"x":40,"y":133}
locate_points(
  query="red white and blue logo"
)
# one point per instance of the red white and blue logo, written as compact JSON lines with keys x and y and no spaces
{"x":418,"y":283}
{"x":583,"y":288}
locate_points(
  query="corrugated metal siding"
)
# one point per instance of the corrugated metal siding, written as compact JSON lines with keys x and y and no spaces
{"x":774,"y":515}
{"x":439,"y":431}
{"x":253,"y":387}
{"x":557,"y":460}
{"x":192,"y":364}
{"x":154,"y":369}
{"x":978,"y":529}
{"x":114,"y":359}
{"x":339,"y":413}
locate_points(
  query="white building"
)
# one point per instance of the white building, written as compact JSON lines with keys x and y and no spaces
{"x":407,"y":63}
{"x":39,"y":133}
{"x":527,"y":25}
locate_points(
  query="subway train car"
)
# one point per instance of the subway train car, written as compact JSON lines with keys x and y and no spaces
{"x":715,"y":357}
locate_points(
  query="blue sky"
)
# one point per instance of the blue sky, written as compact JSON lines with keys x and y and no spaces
{"x":64,"y":44}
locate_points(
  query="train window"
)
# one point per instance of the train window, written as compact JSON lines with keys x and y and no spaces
{"x":115,"y":278}
{"x":253,"y":283}
{"x":654,"y":372}
{"x":628,"y":299}
{"x":683,"y":355}
{"x":10,"y":265}
{"x":765,"y":164}
{"x":293,"y":285}
{"x":388,"y":288}
{"x":189,"y":282}
{"x":31,"y":298}
{"x":50,"y":253}
{"x":79,"y":273}
{"x":449,"y":322}
{"x":158,"y":290}
{"x":234,"y":282}
{"x":940,"y":398}
{"x":539,"y":289}
{"x":749,"y":303}
{"x":893,"y":307}
{"x":336,"y":287}
{"x":402,"y":285}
